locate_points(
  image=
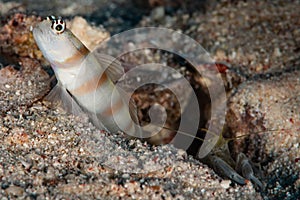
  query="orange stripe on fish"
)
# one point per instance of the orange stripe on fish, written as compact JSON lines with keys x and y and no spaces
{"x":129,"y":127}
{"x":79,"y":55}
{"x":90,"y":86}
{"x":114,"y":108}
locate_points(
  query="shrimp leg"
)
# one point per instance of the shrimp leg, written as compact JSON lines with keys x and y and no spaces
{"x":224,"y":169}
{"x":244,"y":167}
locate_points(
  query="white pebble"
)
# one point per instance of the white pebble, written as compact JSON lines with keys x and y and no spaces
{"x":176,"y":75}
{"x":125,"y":176}
{"x":225,"y":184}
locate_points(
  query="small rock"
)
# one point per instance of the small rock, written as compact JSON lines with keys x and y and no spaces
{"x":125,"y":176}
{"x":225,"y":184}
{"x":90,"y":36}
{"x":158,"y":13}
{"x":14,"y":191}
{"x":27,"y":164}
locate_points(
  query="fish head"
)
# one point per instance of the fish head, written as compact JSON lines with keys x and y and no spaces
{"x":56,"y":42}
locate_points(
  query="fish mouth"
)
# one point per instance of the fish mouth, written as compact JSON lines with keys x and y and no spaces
{"x":37,"y":29}
{"x":37,"y":33}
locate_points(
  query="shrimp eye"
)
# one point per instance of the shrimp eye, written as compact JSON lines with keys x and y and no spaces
{"x":58,"y":25}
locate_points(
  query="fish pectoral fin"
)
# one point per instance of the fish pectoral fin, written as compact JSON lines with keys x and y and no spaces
{"x":114,"y":69}
{"x":96,"y":120}
{"x":59,"y":96}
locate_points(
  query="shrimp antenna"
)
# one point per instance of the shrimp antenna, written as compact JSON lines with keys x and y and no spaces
{"x":210,"y":132}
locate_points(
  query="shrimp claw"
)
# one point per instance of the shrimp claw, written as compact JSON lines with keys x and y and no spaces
{"x":244,"y":167}
{"x":224,"y":169}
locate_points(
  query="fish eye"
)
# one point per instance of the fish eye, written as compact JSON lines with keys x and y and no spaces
{"x":58,"y":25}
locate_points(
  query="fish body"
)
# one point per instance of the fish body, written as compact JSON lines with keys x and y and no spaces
{"x":82,"y":75}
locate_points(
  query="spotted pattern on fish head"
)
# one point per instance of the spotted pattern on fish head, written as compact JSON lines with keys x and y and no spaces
{"x":58,"y":24}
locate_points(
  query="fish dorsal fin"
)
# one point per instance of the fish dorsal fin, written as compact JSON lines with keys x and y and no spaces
{"x":133,"y":111}
{"x":114,"y":69}
{"x":59,"y":96}
{"x":132,"y":106}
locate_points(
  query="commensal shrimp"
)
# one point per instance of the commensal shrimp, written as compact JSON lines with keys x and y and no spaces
{"x":85,"y":84}
{"x":241,"y":170}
